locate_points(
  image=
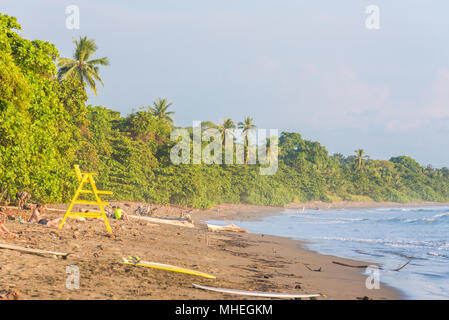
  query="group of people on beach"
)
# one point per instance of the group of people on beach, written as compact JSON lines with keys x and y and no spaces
{"x":37,"y":216}
{"x":22,"y":198}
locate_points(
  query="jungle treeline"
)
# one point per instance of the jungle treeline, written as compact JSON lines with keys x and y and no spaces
{"x":46,"y":127}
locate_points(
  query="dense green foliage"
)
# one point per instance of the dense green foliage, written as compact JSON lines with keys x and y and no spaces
{"x":39,"y":117}
{"x":46,"y":128}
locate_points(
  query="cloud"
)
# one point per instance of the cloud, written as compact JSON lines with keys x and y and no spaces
{"x":429,"y":108}
{"x":345,"y":99}
{"x":439,"y":96}
{"x":352,"y":96}
{"x":340,"y":98}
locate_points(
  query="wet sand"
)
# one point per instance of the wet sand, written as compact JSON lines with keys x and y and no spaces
{"x":239,"y":260}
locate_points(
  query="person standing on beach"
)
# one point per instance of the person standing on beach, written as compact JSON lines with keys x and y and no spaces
{"x":22,"y":198}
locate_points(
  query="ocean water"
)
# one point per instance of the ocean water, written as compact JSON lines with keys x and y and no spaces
{"x":387,"y":236}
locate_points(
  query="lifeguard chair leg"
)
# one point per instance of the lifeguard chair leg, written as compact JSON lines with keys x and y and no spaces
{"x":72,"y":203}
{"x":97,"y":197}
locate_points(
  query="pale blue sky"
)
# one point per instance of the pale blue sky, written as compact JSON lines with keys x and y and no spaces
{"x":306,"y":66}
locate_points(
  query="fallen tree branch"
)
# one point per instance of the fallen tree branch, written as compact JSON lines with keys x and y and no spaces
{"x":33,"y":251}
{"x":179,"y":223}
{"x":398,"y":269}
{"x":54,"y":209}
{"x":305,"y":265}
{"x":348,"y":265}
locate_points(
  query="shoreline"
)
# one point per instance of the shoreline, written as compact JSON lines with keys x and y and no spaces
{"x":245,"y":212}
{"x":247,"y":261}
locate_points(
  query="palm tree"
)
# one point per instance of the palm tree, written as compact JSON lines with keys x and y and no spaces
{"x":246,"y":125}
{"x":223,"y":128}
{"x":208,"y":125}
{"x":81,"y":68}
{"x":360,"y":157}
{"x":268,"y":144}
{"x":159,"y":110}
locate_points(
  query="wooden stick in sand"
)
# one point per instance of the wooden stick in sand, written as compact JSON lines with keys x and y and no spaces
{"x":348,"y":265}
{"x":33,"y":251}
{"x":398,"y":269}
{"x":179,"y":223}
{"x":231,"y":227}
{"x":305,"y":265}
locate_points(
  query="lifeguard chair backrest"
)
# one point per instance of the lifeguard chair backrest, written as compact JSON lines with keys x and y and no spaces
{"x":78,"y":172}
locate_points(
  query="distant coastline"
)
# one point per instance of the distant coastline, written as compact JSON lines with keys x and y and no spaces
{"x":250,"y":212}
{"x":253,"y":212}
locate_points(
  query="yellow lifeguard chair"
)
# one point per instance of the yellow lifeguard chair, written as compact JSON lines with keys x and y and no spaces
{"x":84,"y":178}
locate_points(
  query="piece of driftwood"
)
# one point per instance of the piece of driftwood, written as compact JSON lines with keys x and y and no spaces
{"x":398,"y":269}
{"x":33,"y":251}
{"x":175,"y":222}
{"x":49,"y":209}
{"x":348,"y":265}
{"x":230,"y":227}
{"x":10,"y":207}
{"x":54,"y":209}
{"x":305,"y":265}
{"x":233,"y":228}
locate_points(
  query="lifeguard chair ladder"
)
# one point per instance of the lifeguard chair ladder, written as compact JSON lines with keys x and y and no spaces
{"x":83,"y":178}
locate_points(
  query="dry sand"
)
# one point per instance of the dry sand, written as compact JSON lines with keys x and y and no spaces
{"x":239,"y":261}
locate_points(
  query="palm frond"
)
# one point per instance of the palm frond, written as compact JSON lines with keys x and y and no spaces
{"x":102,"y":61}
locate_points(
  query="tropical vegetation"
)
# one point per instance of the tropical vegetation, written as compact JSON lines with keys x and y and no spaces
{"x":46,"y":127}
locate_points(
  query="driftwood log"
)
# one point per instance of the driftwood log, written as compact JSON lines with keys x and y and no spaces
{"x":348,"y":265}
{"x":230,"y":227}
{"x":33,"y":251}
{"x":175,"y":222}
{"x":398,"y":269}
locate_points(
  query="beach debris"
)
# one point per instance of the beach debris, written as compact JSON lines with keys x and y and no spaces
{"x":259,"y":293}
{"x":142,"y":211}
{"x":307,"y":266}
{"x":57,"y":210}
{"x":215,"y":228}
{"x":33,"y":251}
{"x":364,"y":298}
{"x":175,"y":222}
{"x":230,"y":227}
{"x":398,"y":269}
{"x":366,"y":266}
{"x":5,"y":267}
{"x":13,"y":294}
{"x":348,"y":265}
{"x":136,"y":261}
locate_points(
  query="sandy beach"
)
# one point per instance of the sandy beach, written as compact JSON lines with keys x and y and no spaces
{"x":239,"y":260}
